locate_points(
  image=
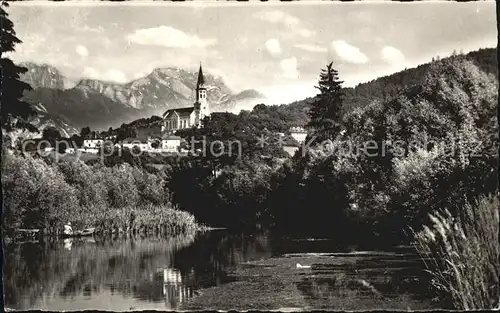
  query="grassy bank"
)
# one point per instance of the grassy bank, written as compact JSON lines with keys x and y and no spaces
{"x":144,"y":220}
{"x":43,"y":194}
{"x":462,"y":255}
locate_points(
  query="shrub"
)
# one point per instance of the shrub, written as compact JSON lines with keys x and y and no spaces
{"x":120,"y":185}
{"x":35,"y":194}
{"x":87,"y":180}
{"x":43,"y":193}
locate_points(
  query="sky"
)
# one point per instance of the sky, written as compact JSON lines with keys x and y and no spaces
{"x":275,"y":48}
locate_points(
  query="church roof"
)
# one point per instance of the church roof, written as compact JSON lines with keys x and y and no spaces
{"x":182,"y":112}
{"x":171,"y":137}
{"x":201,"y":78}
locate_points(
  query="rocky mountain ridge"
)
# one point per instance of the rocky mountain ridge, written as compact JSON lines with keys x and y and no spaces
{"x":101,"y":104}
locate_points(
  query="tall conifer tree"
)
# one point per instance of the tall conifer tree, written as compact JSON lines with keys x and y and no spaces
{"x":14,"y":111}
{"x":325,"y":111}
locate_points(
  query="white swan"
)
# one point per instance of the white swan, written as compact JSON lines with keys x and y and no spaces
{"x":303,"y":266}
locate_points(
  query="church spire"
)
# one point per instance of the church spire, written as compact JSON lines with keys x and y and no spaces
{"x":201,"y":79}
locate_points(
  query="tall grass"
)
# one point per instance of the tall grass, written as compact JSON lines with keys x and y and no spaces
{"x":461,"y":253}
{"x":147,"y":220}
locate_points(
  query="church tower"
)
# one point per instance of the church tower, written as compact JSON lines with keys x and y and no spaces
{"x":201,"y":105}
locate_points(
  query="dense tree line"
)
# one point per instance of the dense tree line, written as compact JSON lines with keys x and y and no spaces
{"x":42,"y":193}
{"x":388,"y":186}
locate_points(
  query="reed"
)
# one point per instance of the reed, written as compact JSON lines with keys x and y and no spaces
{"x":461,"y":254}
{"x":138,"y":220}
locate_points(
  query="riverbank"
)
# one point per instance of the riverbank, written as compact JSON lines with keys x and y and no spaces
{"x":141,"y":221}
{"x":338,"y":281}
{"x":144,"y":220}
{"x":42,"y":194}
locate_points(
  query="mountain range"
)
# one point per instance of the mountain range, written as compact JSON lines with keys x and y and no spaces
{"x":100,"y":105}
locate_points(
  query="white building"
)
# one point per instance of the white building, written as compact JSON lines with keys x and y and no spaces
{"x":170,"y":143}
{"x":175,"y":119}
{"x":298,"y":133}
{"x":131,"y":143}
{"x":92,"y":143}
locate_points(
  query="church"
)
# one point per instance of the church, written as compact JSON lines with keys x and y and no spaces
{"x":175,"y":119}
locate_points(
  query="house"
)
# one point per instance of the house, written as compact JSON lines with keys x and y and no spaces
{"x":182,"y":118}
{"x":170,"y":143}
{"x":92,"y":143}
{"x":298,"y":133}
{"x":131,"y":143}
{"x":290,"y":145}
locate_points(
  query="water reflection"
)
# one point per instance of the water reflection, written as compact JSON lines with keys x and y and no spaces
{"x":164,"y":274}
{"x":122,"y":274}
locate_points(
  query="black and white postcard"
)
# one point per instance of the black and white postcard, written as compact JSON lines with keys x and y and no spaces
{"x":215,"y":155}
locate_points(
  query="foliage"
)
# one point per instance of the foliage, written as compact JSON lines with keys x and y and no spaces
{"x":35,"y":194}
{"x":326,"y":109}
{"x":387,"y":171}
{"x":383,"y":89}
{"x":15,"y":111}
{"x":42,"y":193}
{"x":462,"y":253}
{"x":146,"y":219}
{"x":383,"y":174}
{"x":85,"y":132}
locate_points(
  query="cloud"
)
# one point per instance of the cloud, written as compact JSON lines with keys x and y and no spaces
{"x":290,"y":21}
{"x":392,"y":55}
{"x":278,"y":17}
{"x":289,"y":92}
{"x":167,"y":36}
{"x":305,"y":32}
{"x":273,"y":47}
{"x":82,"y":51}
{"x":310,"y":48}
{"x":110,"y":75}
{"x":140,"y":75}
{"x":348,"y":52}
{"x":289,"y":67}
{"x":98,"y":29}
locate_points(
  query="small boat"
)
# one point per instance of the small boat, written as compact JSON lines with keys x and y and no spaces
{"x":80,"y":233}
{"x":26,"y":233}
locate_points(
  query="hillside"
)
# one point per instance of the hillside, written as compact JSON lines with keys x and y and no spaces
{"x":43,"y":75}
{"x":43,"y":120}
{"x":81,"y":107}
{"x":386,"y":87}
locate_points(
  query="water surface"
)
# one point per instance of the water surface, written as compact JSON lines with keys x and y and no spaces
{"x":216,"y":270}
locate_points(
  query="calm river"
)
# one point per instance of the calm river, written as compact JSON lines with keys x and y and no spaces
{"x":216,"y":270}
